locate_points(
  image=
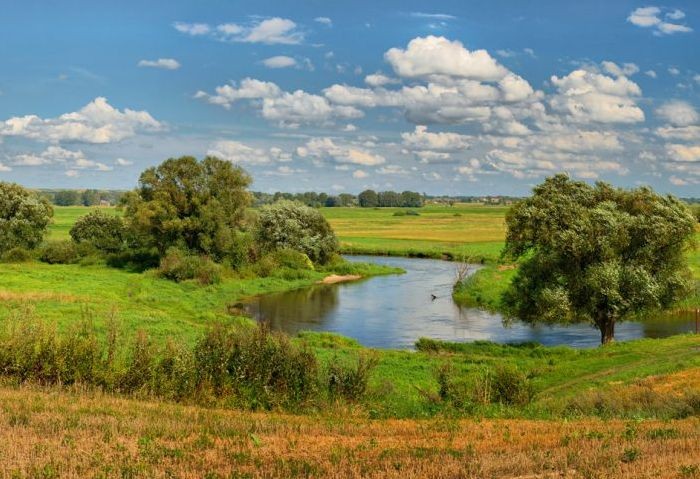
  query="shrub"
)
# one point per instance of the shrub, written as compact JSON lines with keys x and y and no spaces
{"x":399,"y":213}
{"x":292,"y":225}
{"x":412,"y":213}
{"x":505,"y":385}
{"x":59,"y":252}
{"x":351,"y":382}
{"x":289,"y":258}
{"x":137,"y":259}
{"x":103,"y":231}
{"x":17,"y":255}
{"x":24,"y":217}
{"x":179,"y":266}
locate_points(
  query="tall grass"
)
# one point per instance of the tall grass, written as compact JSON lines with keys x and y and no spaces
{"x":247,"y":367}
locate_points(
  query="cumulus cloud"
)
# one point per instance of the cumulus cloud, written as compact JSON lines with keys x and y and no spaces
{"x":194,"y":29}
{"x":586,"y":96}
{"x":627,"y":69}
{"x":436,"y":56}
{"x":359,"y":174}
{"x":678,"y":113}
{"x":240,"y":153}
{"x":428,"y":145}
{"x":270,"y":31}
{"x":326,"y":148}
{"x":163,"y":63}
{"x":123,"y":162}
{"x":650,"y":17}
{"x":96,"y":122}
{"x":685,"y":153}
{"x":288,"y":109}
{"x":70,"y":159}
{"x":279,"y":61}
{"x":379,"y":79}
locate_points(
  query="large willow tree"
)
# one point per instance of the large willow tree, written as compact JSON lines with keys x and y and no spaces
{"x":597,"y":254}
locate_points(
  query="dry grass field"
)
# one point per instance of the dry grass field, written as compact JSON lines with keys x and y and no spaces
{"x":49,"y":433}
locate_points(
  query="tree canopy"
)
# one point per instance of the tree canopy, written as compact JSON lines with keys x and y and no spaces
{"x":598,"y":254}
{"x":24,"y":217}
{"x":289,"y":224}
{"x":183,"y":202}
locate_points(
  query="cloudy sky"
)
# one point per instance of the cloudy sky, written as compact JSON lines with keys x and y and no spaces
{"x":455,"y":97}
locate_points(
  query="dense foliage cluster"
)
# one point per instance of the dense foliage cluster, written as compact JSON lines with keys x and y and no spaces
{"x":103,"y":231}
{"x":292,"y":225}
{"x":24,"y":217}
{"x":195,"y":205}
{"x":596,"y":254}
{"x":366,"y":199}
{"x":89,"y":197}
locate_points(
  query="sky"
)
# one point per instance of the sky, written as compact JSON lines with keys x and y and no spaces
{"x":445,"y":97}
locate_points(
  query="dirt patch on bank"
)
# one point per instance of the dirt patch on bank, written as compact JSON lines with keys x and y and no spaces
{"x":337,"y":278}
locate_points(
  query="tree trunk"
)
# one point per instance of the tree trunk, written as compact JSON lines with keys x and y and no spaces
{"x":606,"y":325}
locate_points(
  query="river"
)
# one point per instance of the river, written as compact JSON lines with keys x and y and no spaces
{"x":394,"y":311}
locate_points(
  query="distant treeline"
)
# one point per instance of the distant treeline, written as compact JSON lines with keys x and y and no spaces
{"x":366,"y":199}
{"x":82,"y":197}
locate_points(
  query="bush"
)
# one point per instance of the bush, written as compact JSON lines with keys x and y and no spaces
{"x":292,"y":225}
{"x":137,"y":259}
{"x":24,"y":217}
{"x":289,"y":258}
{"x":350,"y":382}
{"x":412,"y":213}
{"x":103,"y":231}
{"x":399,"y":213}
{"x":505,"y":385}
{"x":17,"y":255}
{"x":59,"y":252}
{"x":179,"y":266}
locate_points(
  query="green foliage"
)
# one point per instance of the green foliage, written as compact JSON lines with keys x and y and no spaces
{"x":66,"y":198}
{"x":291,"y":225}
{"x":134,"y":259}
{"x":596,"y":254}
{"x":348,"y":381}
{"x":17,"y":255}
{"x":59,"y":252}
{"x":368,"y":199}
{"x":507,"y":385}
{"x":178,"y":266}
{"x":24,"y":217}
{"x":103,"y":231}
{"x":196,"y":205}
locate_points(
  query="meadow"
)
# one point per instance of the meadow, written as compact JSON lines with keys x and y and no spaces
{"x":627,"y":410}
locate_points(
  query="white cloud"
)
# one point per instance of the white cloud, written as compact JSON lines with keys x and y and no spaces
{"x":674,"y":71}
{"x":193,"y":29}
{"x":678,"y":113}
{"x":123,"y":162}
{"x":432,"y":56}
{"x":685,"y":133}
{"x":288,"y":109}
{"x":4,"y":167}
{"x":279,"y":61}
{"x":650,"y":73}
{"x":379,"y":79}
{"x":586,"y":96}
{"x":270,"y":31}
{"x":422,"y":139}
{"x":324,"y":21}
{"x":240,"y":153}
{"x":164,"y":63}
{"x":72,"y":174}
{"x":627,"y":69}
{"x":96,"y":122}
{"x":55,"y":155}
{"x":689,"y":153}
{"x":433,"y":16}
{"x":326,"y":148}
{"x":650,"y":17}
{"x":359,"y":174}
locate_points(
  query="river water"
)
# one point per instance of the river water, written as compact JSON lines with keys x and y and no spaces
{"x":394,"y":311}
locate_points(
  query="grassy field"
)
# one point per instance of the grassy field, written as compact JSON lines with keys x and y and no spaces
{"x":54,"y":433}
{"x":403,"y":427}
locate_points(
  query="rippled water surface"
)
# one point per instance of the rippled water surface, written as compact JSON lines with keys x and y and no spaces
{"x":394,"y":311}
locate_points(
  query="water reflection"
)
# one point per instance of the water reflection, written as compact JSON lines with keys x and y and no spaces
{"x":394,"y":311}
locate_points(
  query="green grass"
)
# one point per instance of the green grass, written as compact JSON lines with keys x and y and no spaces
{"x":404,"y":383}
{"x":65,"y":216}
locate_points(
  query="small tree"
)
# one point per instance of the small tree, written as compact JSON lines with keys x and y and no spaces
{"x":196,"y":205}
{"x":105,"y":232}
{"x":596,"y":254}
{"x":290,"y":224}
{"x":24,"y":217}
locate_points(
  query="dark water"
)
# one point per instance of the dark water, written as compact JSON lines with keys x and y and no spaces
{"x":394,"y":311}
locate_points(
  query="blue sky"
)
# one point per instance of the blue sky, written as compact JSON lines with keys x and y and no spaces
{"x":464,"y":97}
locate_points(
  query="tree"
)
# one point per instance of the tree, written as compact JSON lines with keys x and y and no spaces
{"x":293,"y":225}
{"x":346,"y":199}
{"x":66,"y":198}
{"x":104,"y":231}
{"x":389,"y":199}
{"x":596,"y":254}
{"x":411,"y":199}
{"x":24,"y":217}
{"x":90,"y":197}
{"x":368,"y":199}
{"x":197,"y":205}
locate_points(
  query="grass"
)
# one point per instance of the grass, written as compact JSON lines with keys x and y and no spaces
{"x":56,"y":433}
